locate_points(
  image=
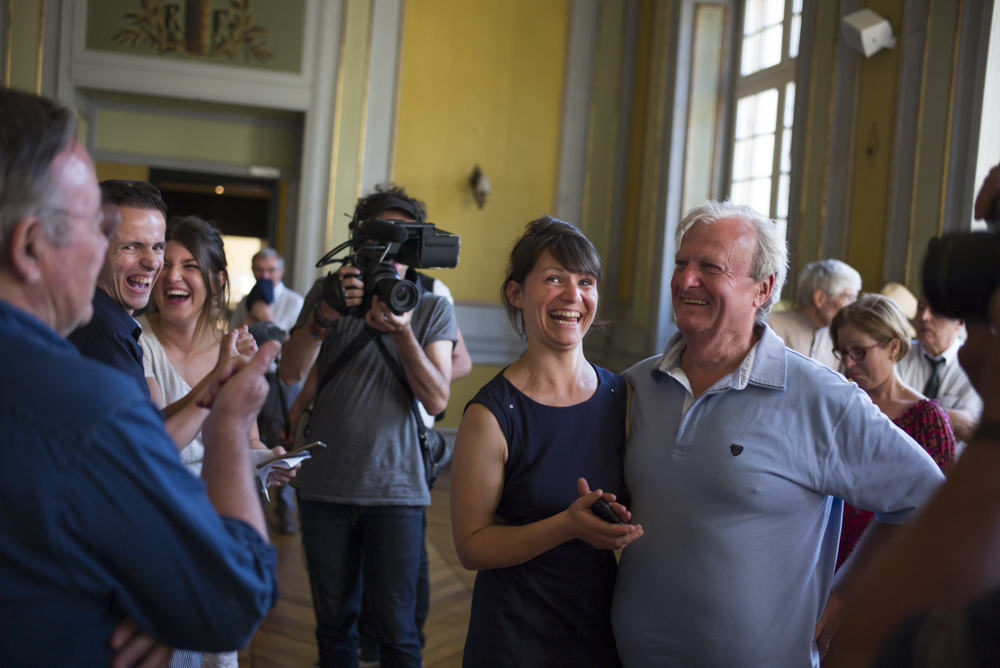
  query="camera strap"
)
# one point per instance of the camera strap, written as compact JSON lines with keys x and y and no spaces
{"x":400,"y":374}
{"x":363,"y":338}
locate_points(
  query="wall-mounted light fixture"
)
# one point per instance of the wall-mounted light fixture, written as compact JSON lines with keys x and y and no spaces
{"x":480,"y":185}
{"x":867,"y":32}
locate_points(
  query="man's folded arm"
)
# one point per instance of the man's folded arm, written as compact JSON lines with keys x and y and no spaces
{"x":145,"y":531}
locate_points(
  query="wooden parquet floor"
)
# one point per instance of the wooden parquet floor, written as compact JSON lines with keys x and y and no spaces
{"x":286,"y":638}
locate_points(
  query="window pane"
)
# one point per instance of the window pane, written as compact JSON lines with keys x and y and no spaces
{"x":763,"y":156}
{"x":751,"y":55}
{"x":770,"y":47}
{"x":774,"y":12}
{"x":766,"y":113}
{"x":751,"y":17}
{"x":741,"y":160}
{"x":786,"y":151}
{"x":789,"y":104}
{"x":782,"y":227}
{"x":760,"y":196}
{"x":796,"y":6}
{"x":793,"y":36}
{"x":740,"y":193}
{"x":744,"y":118}
{"x":783,"y":183}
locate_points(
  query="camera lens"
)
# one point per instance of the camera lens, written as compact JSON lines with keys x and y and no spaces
{"x":401,"y":297}
{"x":960,"y":274}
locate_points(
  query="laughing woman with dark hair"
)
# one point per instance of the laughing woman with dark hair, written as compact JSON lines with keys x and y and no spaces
{"x":532,"y":443}
{"x":184,"y":343}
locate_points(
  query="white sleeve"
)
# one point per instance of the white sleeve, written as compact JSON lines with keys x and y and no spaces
{"x":441,"y":290}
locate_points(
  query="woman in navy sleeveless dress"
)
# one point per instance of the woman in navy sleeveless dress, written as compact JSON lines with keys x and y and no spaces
{"x":532,"y":444}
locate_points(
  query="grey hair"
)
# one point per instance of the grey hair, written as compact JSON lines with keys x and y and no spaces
{"x":268,"y":254}
{"x":830,"y":276}
{"x":769,"y":259}
{"x":33,"y":131}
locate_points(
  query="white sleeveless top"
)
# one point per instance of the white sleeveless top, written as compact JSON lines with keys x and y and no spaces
{"x":175,"y":388}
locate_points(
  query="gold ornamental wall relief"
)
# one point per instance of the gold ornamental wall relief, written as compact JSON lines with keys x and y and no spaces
{"x":265,"y":34}
{"x":198,"y":30}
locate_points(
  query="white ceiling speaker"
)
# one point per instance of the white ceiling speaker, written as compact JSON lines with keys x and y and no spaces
{"x":867,"y":32}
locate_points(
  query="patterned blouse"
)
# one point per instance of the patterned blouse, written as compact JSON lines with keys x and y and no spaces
{"x":927,"y":424}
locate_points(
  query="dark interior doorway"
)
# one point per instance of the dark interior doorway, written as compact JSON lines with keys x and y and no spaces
{"x":239,"y":206}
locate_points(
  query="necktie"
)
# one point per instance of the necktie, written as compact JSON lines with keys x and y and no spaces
{"x":934,"y":382}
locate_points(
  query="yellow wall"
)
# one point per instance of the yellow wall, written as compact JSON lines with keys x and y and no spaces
{"x":114,"y":170}
{"x":349,"y":120}
{"x":25,"y":38}
{"x":189,"y":138}
{"x":464,"y":389}
{"x":481,"y":84}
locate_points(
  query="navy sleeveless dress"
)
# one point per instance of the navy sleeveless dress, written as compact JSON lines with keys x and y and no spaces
{"x":554,"y":610}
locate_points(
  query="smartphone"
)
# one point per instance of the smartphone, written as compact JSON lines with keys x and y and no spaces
{"x":603,"y":510}
{"x":318,"y":445}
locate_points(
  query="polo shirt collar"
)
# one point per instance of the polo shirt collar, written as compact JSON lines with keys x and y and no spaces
{"x":764,"y":365}
{"x":114,"y":309}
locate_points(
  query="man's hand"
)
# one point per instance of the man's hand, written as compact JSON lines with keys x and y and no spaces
{"x":133,"y":648}
{"x":280,"y":476}
{"x":235,"y":344}
{"x":336,"y":299}
{"x":592,"y":529}
{"x":261,"y":311}
{"x":382,"y":318}
{"x":238,"y":391}
{"x":829,"y":622}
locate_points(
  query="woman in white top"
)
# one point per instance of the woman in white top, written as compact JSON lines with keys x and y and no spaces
{"x":184,"y":345}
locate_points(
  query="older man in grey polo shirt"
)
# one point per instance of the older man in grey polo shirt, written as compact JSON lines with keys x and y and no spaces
{"x":740,"y":453}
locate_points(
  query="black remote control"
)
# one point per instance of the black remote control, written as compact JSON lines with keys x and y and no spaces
{"x":603,"y":510}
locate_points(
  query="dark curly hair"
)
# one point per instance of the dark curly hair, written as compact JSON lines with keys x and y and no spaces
{"x":387,"y":196}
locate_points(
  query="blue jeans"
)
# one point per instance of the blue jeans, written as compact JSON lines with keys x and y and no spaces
{"x":383,"y":542}
{"x":366,"y":632}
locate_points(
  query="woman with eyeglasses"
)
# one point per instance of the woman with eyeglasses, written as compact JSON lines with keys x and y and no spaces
{"x":870,"y":336}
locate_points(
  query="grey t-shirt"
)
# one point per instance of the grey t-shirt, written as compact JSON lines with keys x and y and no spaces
{"x":363,"y":415}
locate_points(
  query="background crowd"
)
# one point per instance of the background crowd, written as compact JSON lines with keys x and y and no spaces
{"x":135,"y":527}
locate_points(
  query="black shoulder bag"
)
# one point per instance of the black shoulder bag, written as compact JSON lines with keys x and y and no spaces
{"x":432,"y":446}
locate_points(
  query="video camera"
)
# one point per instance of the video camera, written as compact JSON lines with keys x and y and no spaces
{"x":962,"y":271}
{"x":377,"y":242}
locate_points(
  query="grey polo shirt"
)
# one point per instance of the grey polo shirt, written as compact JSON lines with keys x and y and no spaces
{"x":737,"y":500}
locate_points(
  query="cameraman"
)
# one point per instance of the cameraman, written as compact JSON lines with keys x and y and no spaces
{"x":945,"y":568}
{"x":361,"y":501}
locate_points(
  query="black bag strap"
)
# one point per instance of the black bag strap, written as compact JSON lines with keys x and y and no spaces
{"x":400,"y":374}
{"x":363,"y":338}
{"x":283,"y":401}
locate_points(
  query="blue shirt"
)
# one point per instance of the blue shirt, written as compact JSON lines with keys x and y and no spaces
{"x":112,"y":337}
{"x":737,"y":501}
{"x":99,"y":519}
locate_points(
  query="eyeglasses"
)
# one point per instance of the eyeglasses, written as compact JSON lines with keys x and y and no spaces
{"x":115,"y":187}
{"x":856,"y":354}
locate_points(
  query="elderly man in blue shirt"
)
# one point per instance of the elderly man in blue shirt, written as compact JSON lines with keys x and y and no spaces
{"x":740,"y":453}
{"x":99,"y":521}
